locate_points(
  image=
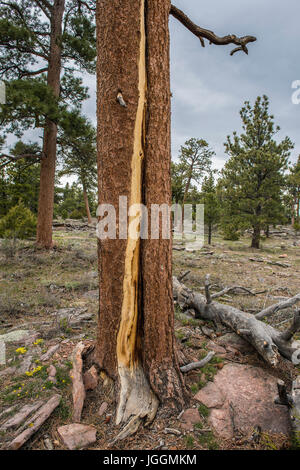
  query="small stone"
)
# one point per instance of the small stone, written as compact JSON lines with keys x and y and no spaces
{"x":25,"y":365}
{"x":189,"y":418}
{"x":90,"y":378}
{"x":51,"y":371}
{"x":48,"y":444}
{"x":212,"y":346}
{"x":102,"y":408}
{"x":8,"y":371}
{"x":211,"y":396}
{"x":77,"y":436}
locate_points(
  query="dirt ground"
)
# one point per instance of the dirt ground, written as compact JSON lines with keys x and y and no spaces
{"x":35,"y":284}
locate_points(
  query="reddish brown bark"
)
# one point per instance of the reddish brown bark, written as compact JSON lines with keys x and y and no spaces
{"x":48,"y":162}
{"x":119,"y":38}
{"x":159,"y":356}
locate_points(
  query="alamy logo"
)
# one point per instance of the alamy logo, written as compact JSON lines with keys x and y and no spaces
{"x":156,"y":222}
{"x":2,"y":93}
{"x":296,"y":94}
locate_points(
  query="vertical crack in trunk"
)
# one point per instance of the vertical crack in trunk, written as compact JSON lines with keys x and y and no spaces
{"x":137,"y":400}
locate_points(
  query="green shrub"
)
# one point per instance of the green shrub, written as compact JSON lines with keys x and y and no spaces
{"x":77,"y":214}
{"x":296,"y":227}
{"x":230,"y":232}
{"x":19,"y":223}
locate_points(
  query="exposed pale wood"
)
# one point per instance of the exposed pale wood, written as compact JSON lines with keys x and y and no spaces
{"x":78,"y":391}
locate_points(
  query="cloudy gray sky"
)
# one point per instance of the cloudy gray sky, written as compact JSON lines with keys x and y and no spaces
{"x":209,"y":86}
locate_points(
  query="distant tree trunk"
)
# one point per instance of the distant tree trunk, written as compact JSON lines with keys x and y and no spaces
{"x":187,"y":187}
{"x":209,"y":233}
{"x":294,"y":212}
{"x":267,"y":231}
{"x":47,"y":175}
{"x":86,"y":202}
{"x":256,"y":228}
{"x":135,"y":344}
{"x":255,"y":236}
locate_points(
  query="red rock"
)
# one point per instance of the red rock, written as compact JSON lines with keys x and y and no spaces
{"x":51,"y":372}
{"x":211,"y":396}
{"x":90,"y":378}
{"x":212,"y":346}
{"x":189,"y":418}
{"x":244,"y":395}
{"x":77,"y":436}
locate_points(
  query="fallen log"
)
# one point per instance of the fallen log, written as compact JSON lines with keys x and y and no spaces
{"x":269,"y":342}
{"x":36,"y":422}
{"x":78,"y":391}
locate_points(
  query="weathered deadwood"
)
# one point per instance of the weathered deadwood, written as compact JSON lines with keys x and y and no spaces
{"x":198,"y":365}
{"x":37,"y":420}
{"x":295,"y":411}
{"x":202,"y":33}
{"x":231,"y":289}
{"x":283,"y":397}
{"x":78,"y":391}
{"x":279,"y":306}
{"x":19,"y":417}
{"x":268,"y":341}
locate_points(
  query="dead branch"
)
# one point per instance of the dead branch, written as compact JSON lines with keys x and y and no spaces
{"x":198,"y":365}
{"x":280,"y":306}
{"x":295,"y":326}
{"x":268,"y":341}
{"x":182,"y":276}
{"x":231,"y":289}
{"x":207,"y":291}
{"x":202,"y":33}
{"x":26,"y":156}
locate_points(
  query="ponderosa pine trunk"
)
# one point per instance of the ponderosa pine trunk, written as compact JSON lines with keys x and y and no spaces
{"x":209,"y":233}
{"x":48,"y":162}
{"x":86,"y":203}
{"x":255,"y":236}
{"x":135,"y":344}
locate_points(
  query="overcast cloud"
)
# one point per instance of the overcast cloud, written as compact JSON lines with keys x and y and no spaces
{"x":209,"y":86}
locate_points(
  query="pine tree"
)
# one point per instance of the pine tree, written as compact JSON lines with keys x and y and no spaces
{"x":77,"y":149}
{"x":253,"y":178}
{"x":293,"y":184}
{"x":211,"y":204}
{"x":24,"y":177}
{"x":195,"y":160}
{"x":39,"y":39}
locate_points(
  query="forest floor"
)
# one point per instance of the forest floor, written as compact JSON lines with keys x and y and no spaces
{"x":37,"y":287}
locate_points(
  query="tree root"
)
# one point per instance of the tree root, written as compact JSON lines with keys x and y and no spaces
{"x":269,"y":342}
{"x":137,"y":402}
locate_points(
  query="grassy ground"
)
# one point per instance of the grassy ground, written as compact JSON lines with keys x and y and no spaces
{"x":34,"y":284}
